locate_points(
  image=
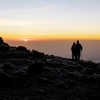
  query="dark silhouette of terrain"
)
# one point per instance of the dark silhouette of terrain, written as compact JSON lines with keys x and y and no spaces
{"x":31,"y":75}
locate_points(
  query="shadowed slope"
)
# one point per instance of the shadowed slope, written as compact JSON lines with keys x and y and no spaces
{"x":26,"y":74}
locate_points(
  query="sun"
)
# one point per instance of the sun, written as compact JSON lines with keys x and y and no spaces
{"x":25,"y":40}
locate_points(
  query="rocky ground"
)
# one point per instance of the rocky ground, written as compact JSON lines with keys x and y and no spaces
{"x":31,"y":75}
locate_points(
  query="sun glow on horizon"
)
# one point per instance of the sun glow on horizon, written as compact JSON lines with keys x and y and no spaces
{"x":25,"y":39}
{"x":35,"y":20}
{"x":50,"y":36}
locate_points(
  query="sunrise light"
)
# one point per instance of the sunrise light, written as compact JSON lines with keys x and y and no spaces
{"x":50,"y":20}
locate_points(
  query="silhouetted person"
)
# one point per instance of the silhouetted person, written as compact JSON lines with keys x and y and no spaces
{"x":73,"y":49}
{"x":79,"y":49}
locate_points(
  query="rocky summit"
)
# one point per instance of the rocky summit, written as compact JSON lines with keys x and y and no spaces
{"x":31,"y":75}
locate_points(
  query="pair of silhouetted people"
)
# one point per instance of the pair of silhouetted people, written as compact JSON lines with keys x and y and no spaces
{"x":76,"y":50}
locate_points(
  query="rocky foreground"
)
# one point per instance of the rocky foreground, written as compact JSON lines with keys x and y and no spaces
{"x":31,"y":75}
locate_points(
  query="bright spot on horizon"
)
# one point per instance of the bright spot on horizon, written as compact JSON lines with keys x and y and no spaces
{"x":25,"y":39}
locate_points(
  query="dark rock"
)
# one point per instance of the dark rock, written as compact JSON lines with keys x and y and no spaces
{"x":35,"y":68}
{"x":43,"y":77}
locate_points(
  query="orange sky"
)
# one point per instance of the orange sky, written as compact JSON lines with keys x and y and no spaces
{"x":49,"y":19}
{"x":56,"y":36}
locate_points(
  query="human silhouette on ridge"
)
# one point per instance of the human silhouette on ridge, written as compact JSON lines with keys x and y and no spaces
{"x":76,"y":50}
{"x":73,"y":49}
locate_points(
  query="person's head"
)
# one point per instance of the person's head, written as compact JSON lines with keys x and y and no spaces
{"x":77,"y":41}
{"x":74,"y":43}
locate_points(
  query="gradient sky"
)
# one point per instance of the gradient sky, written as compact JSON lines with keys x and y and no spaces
{"x":50,"y":19}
